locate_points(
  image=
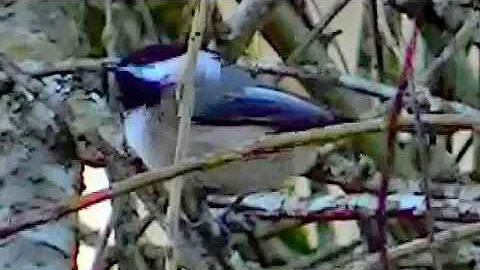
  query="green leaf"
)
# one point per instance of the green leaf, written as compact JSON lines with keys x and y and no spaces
{"x":168,"y":16}
{"x":297,"y":238}
{"x":94,"y":23}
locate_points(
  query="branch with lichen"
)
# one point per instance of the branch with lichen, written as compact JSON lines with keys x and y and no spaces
{"x":75,"y":113}
{"x":347,"y":82}
{"x":324,"y":208}
{"x":263,"y":147}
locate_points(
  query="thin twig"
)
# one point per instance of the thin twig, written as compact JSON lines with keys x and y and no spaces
{"x":418,"y":245}
{"x":72,"y":65}
{"x":150,"y":32}
{"x":155,"y":209}
{"x":123,"y":212}
{"x":341,"y":55}
{"x":319,"y":27}
{"x":348,"y":82}
{"x":109,"y":35}
{"x":457,"y":43}
{"x":100,"y":247}
{"x":398,"y":185}
{"x":335,"y":43}
{"x":311,"y":261}
{"x":378,"y":42}
{"x":392,"y":130}
{"x":424,"y":154}
{"x":74,"y":256}
{"x":387,"y":32}
{"x":262,"y":148}
{"x":464,"y":149}
{"x":185,"y":90}
{"x":353,"y":83}
{"x":313,"y":209}
{"x":112,"y":254}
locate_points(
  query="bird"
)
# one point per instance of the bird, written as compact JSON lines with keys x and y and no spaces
{"x":231,"y":109}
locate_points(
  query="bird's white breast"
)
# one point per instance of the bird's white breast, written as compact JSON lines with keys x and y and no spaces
{"x":154,"y":139}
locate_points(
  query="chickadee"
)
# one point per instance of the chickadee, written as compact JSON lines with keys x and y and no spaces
{"x":230,"y":110}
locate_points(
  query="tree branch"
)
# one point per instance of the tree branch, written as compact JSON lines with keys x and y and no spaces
{"x":186,"y":94}
{"x":392,"y":130}
{"x":101,"y":245}
{"x":386,"y":32}
{"x":418,"y":245}
{"x":378,"y":55}
{"x":356,"y":84}
{"x":319,"y":27}
{"x":457,"y":43}
{"x":334,"y":41}
{"x":242,"y":24}
{"x":263,"y":147}
{"x":72,"y":65}
{"x":151,"y":33}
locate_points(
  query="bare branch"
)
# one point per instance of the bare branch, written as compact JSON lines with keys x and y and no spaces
{"x":100,"y":247}
{"x":71,"y":65}
{"x":327,"y":207}
{"x":392,"y":130}
{"x":386,"y":32}
{"x":348,"y":82}
{"x":464,"y":149}
{"x":118,"y":166}
{"x":324,"y":208}
{"x":341,"y":55}
{"x":151,"y":34}
{"x":455,"y":234}
{"x":243,"y":23}
{"x":424,"y":162}
{"x":378,"y":41}
{"x":319,"y":27}
{"x":334,"y":41}
{"x":185,"y":90}
{"x":111,"y":254}
{"x":457,"y":43}
{"x":263,"y":147}
{"x":356,"y":84}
